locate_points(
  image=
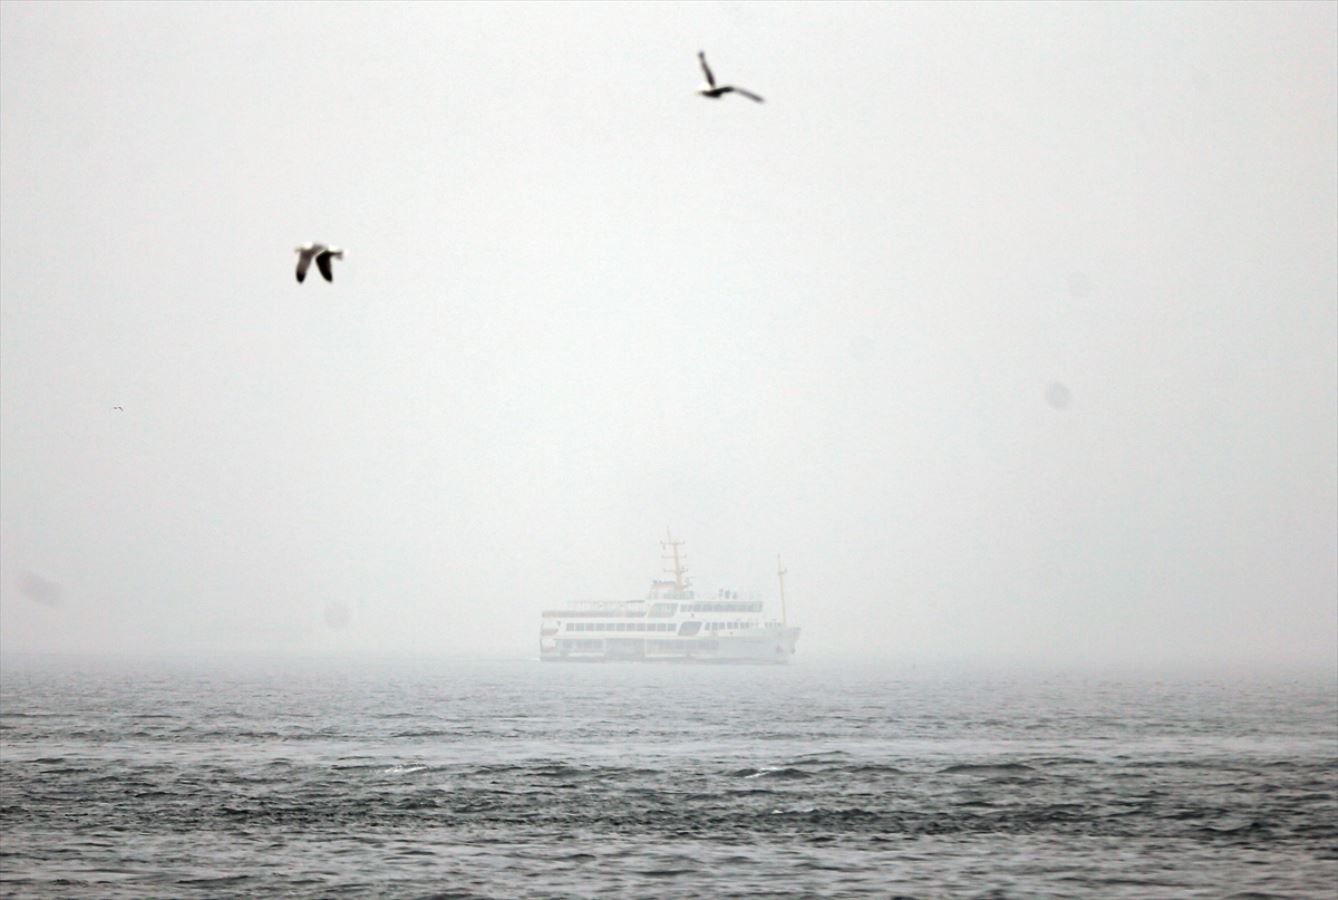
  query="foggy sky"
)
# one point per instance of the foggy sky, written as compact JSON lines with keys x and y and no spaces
{"x":1011,"y":327}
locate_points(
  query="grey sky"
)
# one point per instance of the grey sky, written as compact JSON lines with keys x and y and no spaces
{"x":1011,"y":326}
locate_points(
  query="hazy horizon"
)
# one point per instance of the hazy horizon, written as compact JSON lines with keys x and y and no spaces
{"x":1010,"y":328}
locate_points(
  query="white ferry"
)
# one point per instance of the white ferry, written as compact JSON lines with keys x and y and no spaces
{"x":672,"y":624}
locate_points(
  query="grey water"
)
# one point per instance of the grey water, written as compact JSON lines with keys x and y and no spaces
{"x":523,"y":779}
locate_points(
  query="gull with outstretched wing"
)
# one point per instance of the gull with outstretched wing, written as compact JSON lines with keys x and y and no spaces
{"x":322,"y":255}
{"x":716,"y":91}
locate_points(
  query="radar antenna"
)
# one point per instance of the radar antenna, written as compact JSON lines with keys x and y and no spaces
{"x":679,"y":568}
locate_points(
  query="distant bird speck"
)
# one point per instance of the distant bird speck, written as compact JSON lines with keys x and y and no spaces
{"x":714,"y":91}
{"x":119,"y":408}
{"x":322,"y":254}
{"x":1058,"y":396}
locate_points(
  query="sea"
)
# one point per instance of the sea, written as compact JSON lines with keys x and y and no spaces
{"x":521,"y":779}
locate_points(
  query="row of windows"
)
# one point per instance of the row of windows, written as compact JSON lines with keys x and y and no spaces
{"x":717,"y":626}
{"x":651,"y":646}
{"x":621,"y":626}
{"x":722,"y":607}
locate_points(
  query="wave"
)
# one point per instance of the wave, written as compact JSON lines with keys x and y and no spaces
{"x":426,"y":733}
{"x":784,"y":772}
{"x":408,"y":769}
{"x":867,"y":769}
{"x":986,"y":769}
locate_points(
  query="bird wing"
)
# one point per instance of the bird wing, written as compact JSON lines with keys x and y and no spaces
{"x":710,"y":79}
{"x":303,"y":263}
{"x":323,"y":263}
{"x":749,"y":94}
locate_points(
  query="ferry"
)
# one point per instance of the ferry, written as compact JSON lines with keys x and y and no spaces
{"x":672,"y":624}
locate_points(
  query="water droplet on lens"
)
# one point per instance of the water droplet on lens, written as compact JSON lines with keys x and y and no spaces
{"x":39,"y":590}
{"x":1058,"y":396}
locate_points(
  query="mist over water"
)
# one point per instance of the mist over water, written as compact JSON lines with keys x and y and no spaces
{"x":520,"y":779}
{"x":1009,"y":328}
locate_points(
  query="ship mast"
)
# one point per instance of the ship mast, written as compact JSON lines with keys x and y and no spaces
{"x":780,"y":574}
{"x":679,"y":569}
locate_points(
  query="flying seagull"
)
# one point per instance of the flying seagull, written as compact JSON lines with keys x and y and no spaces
{"x":322,"y":254}
{"x":714,"y":91}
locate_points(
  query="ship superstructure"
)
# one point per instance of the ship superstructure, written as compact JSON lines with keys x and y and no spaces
{"x":672,"y":624}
